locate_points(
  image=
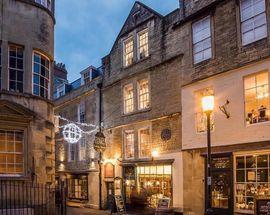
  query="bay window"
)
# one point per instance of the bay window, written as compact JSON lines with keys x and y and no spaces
{"x":129,"y":144}
{"x":144,"y":143}
{"x":11,"y":152}
{"x":16,"y":68}
{"x":41,"y":75}
{"x":143,"y":44}
{"x":128,"y":52}
{"x":257,"y":98}
{"x":253,"y":20}
{"x":128,"y":99}
{"x":202,"y":48}
{"x":143,"y":97}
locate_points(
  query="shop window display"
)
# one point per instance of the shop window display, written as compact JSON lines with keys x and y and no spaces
{"x":252,"y":178}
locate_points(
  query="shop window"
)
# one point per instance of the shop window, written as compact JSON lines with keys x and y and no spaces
{"x":202,"y":40}
{"x":129,"y":144}
{"x":253,"y":20}
{"x":41,"y":75}
{"x":143,"y":94}
{"x":128,"y":52}
{"x":257,"y":98}
{"x":201,"y":119}
{"x":153,"y":183}
{"x":81,"y":112}
{"x":16,"y":68}
{"x":251,"y":180}
{"x":78,"y":187}
{"x":128,"y":99}
{"x":143,"y":44}
{"x":11,"y":152}
{"x":82,"y":152}
{"x":144,"y":143}
{"x":72,"y":152}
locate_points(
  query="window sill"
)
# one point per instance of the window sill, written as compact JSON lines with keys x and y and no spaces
{"x":202,"y":63}
{"x":240,"y":211}
{"x":136,"y":62}
{"x":137,"y":112}
{"x":254,"y":42}
{"x":258,"y":123}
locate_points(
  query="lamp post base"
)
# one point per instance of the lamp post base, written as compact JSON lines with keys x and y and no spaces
{"x":209,"y":211}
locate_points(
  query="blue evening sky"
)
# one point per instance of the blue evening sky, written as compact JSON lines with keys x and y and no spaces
{"x":86,"y":29}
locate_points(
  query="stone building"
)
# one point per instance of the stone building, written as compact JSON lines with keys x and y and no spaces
{"x":60,"y":82}
{"x":76,"y":162}
{"x":227,"y":50}
{"x":142,"y":109}
{"x":26,"y":110}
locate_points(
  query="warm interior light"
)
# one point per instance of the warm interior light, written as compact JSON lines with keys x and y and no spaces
{"x":208,"y":103}
{"x":155,"y":153}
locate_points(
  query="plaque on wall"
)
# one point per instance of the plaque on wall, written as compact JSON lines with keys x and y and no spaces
{"x":166,"y":134}
{"x":262,"y":205}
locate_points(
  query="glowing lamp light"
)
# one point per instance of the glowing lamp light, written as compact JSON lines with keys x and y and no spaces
{"x":208,"y":103}
{"x":155,"y":153}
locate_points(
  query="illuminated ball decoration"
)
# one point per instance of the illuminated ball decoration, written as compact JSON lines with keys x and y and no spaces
{"x":72,"y":133}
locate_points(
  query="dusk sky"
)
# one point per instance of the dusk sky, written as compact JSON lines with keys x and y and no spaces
{"x":87,"y":29}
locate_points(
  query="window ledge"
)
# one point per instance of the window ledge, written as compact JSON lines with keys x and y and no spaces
{"x":136,"y":62}
{"x":245,"y":46}
{"x":258,"y":123}
{"x":137,"y":112}
{"x":202,"y":63}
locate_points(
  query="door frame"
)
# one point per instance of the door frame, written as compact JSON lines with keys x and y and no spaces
{"x":218,"y":211}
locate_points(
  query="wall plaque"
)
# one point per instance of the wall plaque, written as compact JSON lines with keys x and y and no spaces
{"x":109,"y":170}
{"x":166,"y":134}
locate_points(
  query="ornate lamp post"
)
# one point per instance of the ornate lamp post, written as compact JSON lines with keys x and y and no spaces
{"x":208,"y":107}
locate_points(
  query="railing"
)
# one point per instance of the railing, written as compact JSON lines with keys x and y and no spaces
{"x":27,"y":198}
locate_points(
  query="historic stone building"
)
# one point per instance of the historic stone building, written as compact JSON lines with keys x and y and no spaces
{"x":76,"y":162}
{"x":142,"y":109}
{"x":226,"y":50}
{"x":26,"y":110}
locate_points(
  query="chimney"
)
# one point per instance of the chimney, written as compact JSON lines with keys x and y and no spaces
{"x":182,"y":9}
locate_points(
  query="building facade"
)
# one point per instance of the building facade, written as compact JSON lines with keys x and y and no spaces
{"x":26,"y":110}
{"x":76,"y":162}
{"x":142,"y":110}
{"x":226,"y":55}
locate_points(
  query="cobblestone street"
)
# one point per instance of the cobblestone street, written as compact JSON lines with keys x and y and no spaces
{"x":84,"y":211}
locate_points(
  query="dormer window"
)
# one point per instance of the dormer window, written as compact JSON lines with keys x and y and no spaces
{"x":143,"y":44}
{"x":128,"y":52}
{"x":45,"y":3}
{"x":86,"y":77}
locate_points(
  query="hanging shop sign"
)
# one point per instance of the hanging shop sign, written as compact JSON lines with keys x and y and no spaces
{"x":99,"y":143}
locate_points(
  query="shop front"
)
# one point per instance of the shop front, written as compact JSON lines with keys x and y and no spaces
{"x":238,"y":179}
{"x":78,"y":187}
{"x":145,"y":184}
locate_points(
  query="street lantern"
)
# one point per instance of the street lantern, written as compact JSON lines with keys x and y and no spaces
{"x":208,"y":103}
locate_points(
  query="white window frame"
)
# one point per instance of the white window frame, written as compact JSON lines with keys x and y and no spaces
{"x":139,"y":140}
{"x":251,"y":20}
{"x":125,"y":99}
{"x":83,"y":139}
{"x":69,"y":152}
{"x":17,"y":70}
{"x":139,"y":82}
{"x":245,"y":110}
{"x":81,"y":109}
{"x":139,"y":46}
{"x":202,"y":41}
{"x":125,"y":133}
{"x":130,"y":39}
{"x":49,"y":78}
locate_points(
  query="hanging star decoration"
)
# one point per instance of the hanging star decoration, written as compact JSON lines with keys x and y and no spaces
{"x":72,"y":131}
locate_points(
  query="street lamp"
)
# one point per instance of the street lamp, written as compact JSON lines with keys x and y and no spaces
{"x":208,"y":107}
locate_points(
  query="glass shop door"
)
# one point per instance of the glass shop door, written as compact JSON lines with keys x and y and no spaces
{"x":222,"y":189}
